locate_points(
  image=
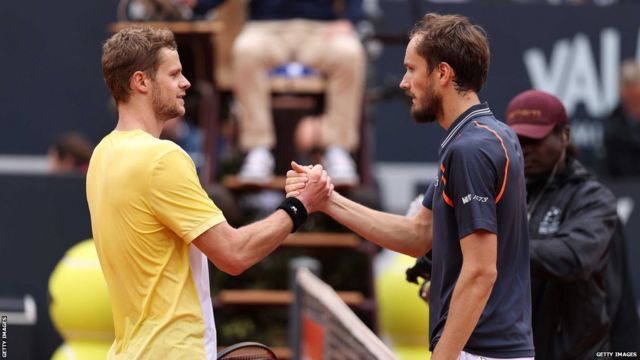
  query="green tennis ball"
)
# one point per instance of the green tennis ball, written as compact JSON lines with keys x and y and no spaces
{"x":79,"y":303}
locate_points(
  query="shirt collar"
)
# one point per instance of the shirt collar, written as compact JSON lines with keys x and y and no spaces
{"x":470,"y":114}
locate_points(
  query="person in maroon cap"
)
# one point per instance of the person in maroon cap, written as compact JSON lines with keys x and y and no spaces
{"x":578,"y":292}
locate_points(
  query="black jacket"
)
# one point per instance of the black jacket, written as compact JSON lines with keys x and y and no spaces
{"x":572,"y":220}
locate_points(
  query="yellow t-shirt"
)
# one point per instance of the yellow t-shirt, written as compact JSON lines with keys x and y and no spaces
{"x":146,"y":206}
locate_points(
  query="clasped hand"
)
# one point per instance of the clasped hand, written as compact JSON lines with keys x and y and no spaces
{"x":310,"y":184}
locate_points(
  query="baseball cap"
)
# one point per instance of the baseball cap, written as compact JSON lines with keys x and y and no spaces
{"x":533,"y":114}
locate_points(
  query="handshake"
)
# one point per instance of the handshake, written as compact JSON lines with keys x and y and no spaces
{"x":310,"y":184}
{"x":312,"y":187}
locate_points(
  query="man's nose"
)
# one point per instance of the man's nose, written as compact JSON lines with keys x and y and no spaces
{"x":185,"y":84}
{"x":404,"y":84}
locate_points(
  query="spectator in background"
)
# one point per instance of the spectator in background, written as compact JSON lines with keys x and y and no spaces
{"x":622,"y":134}
{"x":320,"y":35}
{"x":580,"y":282}
{"x":69,"y":153}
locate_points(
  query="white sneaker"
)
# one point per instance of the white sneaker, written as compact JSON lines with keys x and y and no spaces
{"x":340,"y":167}
{"x":258,"y":166}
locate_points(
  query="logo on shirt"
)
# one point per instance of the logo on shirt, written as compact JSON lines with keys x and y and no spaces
{"x":294,"y":209}
{"x":469,"y":197}
{"x":550,"y":222}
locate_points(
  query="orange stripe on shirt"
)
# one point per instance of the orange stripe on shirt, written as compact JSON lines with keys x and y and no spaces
{"x":506,"y":165}
{"x":447,"y":199}
{"x":444,"y":182}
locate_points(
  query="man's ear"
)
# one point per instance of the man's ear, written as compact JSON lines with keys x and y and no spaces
{"x":139,"y":82}
{"x":446,"y":73}
{"x":566,"y":135}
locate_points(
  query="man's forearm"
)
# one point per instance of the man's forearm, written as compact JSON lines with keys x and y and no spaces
{"x":411,"y":236}
{"x":469,"y":299}
{"x":235,"y":250}
{"x":261,"y":238}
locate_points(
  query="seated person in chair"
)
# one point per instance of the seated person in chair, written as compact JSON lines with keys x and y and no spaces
{"x":320,"y":35}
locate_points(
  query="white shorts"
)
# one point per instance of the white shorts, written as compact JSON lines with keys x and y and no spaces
{"x":467,"y":356}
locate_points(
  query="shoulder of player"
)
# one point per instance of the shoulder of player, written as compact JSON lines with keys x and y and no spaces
{"x":482,"y":133}
{"x":161,"y":150}
{"x":479,"y":140}
{"x":471,"y":138}
{"x":167,"y":148}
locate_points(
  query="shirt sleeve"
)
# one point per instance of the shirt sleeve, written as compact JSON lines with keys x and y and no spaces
{"x":470,"y":181}
{"x":177,"y":198}
{"x":427,"y":200}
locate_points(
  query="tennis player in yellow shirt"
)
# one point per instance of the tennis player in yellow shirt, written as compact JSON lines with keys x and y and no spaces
{"x":153,"y":224}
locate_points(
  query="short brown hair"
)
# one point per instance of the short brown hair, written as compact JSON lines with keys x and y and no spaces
{"x":132,"y":49}
{"x":455,"y":40}
{"x":75,"y":146}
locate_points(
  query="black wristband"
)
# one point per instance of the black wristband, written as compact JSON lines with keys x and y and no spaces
{"x":296,"y":211}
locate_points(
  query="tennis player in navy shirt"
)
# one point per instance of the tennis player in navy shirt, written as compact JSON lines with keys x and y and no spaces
{"x":474,"y":213}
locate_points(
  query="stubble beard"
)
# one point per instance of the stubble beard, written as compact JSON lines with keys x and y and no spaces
{"x":428,"y":111}
{"x":163,"y":108}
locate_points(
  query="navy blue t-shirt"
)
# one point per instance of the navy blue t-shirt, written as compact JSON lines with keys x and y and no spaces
{"x":481,"y":186}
